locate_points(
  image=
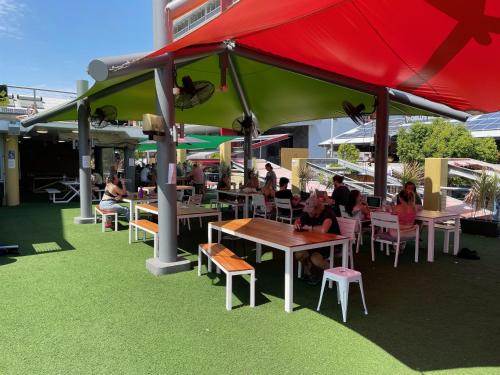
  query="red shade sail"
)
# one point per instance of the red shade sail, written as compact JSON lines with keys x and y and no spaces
{"x":445,"y":51}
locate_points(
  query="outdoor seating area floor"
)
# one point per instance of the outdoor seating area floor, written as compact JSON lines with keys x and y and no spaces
{"x":80,"y":301}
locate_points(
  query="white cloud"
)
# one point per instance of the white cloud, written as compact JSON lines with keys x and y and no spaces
{"x":11,"y":13}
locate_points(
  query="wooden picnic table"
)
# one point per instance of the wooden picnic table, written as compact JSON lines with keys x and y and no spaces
{"x":183,"y":212}
{"x":238,"y":193}
{"x":282,"y":237}
{"x":133,"y":199}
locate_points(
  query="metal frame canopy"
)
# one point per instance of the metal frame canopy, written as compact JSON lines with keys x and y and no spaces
{"x":278,"y":91}
{"x":452,"y":60}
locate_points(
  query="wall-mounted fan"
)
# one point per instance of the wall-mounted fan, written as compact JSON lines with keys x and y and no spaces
{"x":103,"y":116}
{"x":244,"y":124}
{"x":193,"y":93}
{"x":358,"y":113}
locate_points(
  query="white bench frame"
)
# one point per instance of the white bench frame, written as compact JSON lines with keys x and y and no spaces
{"x":52,"y":194}
{"x":103,"y":215}
{"x":229,"y":277}
{"x":146,"y":230}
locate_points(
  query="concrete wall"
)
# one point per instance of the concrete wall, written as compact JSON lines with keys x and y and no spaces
{"x":287,"y":154}
{"x":435,"y":176}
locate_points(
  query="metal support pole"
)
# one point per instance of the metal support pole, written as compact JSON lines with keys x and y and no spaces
{"x":381,"y":143}
{"x":247,"y":139}
{"x":84,"y":156}
{"x":129,"y":164}
{"x":167,"y":261}
{"x":247,"y":155}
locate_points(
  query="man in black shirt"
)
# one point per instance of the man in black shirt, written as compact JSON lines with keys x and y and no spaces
{"x":340,"y":195}
{"x":318,"y":218}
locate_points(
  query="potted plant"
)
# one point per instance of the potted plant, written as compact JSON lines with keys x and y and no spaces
{"x":482,"y":196}
{"x":305,"y":175}
{"x":411,"y":172}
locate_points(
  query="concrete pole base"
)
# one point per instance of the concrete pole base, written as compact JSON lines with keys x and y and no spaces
{"x":83,"y":220}
{"x":158,"y":268}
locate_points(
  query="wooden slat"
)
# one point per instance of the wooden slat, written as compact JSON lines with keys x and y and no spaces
{"x":146,"y":224}
{"x":275,"y":232}
{"x":226,"y":258}
{"x":105,"y":211}
{"x":188,"y":210}
{"x":149,"y":206}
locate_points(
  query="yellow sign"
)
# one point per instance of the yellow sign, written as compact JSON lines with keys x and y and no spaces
{"x":4,"y":97}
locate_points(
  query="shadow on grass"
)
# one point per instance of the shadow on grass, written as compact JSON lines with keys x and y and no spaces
{"x":36,"y":227}
{"x":430,"y":316}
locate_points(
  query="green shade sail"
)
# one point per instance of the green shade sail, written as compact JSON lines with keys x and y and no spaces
{"x":209,"y":142}
{"x":275,"y":95}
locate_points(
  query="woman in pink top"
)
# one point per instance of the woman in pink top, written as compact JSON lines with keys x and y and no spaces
{"x":406,"y":211}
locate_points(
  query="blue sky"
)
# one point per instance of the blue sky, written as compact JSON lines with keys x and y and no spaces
{"x":49,"y":43}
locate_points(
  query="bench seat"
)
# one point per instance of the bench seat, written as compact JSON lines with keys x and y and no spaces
{"x":104,"y":213}
{"x":231,"y":264}
{"x":146,"y":226}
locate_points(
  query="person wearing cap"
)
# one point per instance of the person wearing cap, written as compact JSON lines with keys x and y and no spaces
{"x":318,"y":218}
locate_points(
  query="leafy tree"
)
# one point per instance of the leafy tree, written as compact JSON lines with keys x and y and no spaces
{"x":410,"y":142}
{"x":442,"y":139}
{"x":348,"y":152}
{"x":486,"y":149}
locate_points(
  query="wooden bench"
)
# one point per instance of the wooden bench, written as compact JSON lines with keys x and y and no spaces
{"x":146,"y":226}
{"x":231,"y":264}
{"x":52,"y":194}
{"x":104,"y":213}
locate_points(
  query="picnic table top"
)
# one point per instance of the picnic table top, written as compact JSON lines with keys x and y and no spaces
{"x":181,"y":211}
{"x":274,"y":232}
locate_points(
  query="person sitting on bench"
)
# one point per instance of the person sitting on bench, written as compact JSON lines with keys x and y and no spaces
{"x":112,"y":195}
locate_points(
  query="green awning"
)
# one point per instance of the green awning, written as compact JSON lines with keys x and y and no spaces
{"x":210,"y":142}
{"x":276,"y":96}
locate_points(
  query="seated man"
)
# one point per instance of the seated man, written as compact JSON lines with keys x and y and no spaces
{"x":340,"y":195}
{"x":285,"y":193}
{"x":318,"y":218}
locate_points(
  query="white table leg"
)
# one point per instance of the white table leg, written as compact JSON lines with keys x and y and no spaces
{"x":345,"y":254}
{"x":209,"y":261}
{"x":219,"y":233}
{"x":258,"y":253}
{"x":456,"y":236}
{"x":430,"y":241}
{"x":131,"y":212}
{"x":289,"y":281}
{"x":245,"y":209}
{"x":332,"y":261}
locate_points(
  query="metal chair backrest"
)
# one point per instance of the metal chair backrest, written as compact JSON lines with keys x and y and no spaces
{"x":385,"y":220}
{"x":342,"y":210}
{"x":347,"y":227}
{"x":259,"y":203}
{"x":283,"y":203}
{"x":195,"y":200}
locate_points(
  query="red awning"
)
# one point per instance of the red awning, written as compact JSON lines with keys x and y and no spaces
{"x":445,"y":51}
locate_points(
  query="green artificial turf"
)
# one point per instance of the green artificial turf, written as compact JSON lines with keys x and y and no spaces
{"x":80,"y":301}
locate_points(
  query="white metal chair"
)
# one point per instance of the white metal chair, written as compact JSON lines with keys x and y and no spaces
{"x":348,"y":229}
{"x":259,"y":206}
{"x":284,"y":210}
{"x":359,"y":227}
{"x":447,"y":227}
{"x":194,"y":200}
{"x":343,"y":277}
{"x":385,"y":222}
